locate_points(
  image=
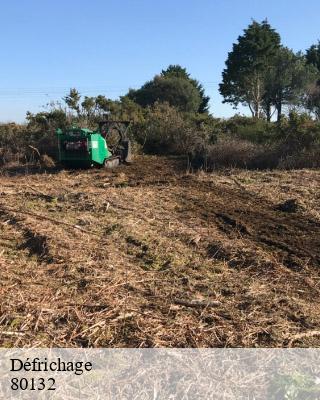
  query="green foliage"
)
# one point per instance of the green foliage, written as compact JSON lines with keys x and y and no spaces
{"x":102,"y":103}
{"x":313,"y":93}
{"x":313,"y":99}
{"x":179,"y":93}
{"x":174,"y":86}
{"x":313,"y":55}
{"x":126,"y":109}
{"x":166,"y":130}
{"x":12,"y":135}
{"x":89,"y":106}
{"x":72,"y":100}
{"x":286,"y":81}
{"x":162,"y":130}
{"x":262,"y":74}
{"x":256,"y":143}
{"x":180,"y":72}
{"x":298,"y":132}
{"x":55,"y":118}
{"x":169,"y":114}
{"x":247,"y":65}
{"x":249,"y":129}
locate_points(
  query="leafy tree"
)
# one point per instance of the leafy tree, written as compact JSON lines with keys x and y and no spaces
{"x":175,"y":86}
{"x":129,"y":110}
{"x":286,"y":81}
{"x":313,"y":55}
{"x":72,"y":100}
{"x":177,"y":71}
{"x":313,"y":97}
{"x":47,"y":119}
{"x":89,"y":106}
{"x":176,"y":91}
{"x":243,"y":79}
{"x":166,"y":130}
{"x":102,"y":104}
{"x":180,"y":72}
{"x":313,"y":100}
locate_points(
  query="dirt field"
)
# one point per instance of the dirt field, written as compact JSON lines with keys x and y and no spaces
{"x":150,"y":255}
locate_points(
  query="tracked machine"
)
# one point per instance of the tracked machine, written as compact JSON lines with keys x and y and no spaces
{"x":107,"y":147}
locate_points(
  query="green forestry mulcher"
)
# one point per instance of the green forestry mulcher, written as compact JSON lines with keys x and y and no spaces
{"x":108,"y":146}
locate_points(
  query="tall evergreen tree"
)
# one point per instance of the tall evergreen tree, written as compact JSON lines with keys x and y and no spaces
{"x":72,"y":100}
{"x":243,"y":79}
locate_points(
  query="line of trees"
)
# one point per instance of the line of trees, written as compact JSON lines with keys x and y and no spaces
{"x":265,"y":76}
{"x":170,"y":113}
{"x":260,"y":73}
{"x":174,"y":86}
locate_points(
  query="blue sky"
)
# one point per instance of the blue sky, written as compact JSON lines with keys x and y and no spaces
{"x":105,"y":47}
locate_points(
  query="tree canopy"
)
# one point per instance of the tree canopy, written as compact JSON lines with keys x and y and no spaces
{"x":313,"y":55}
{"x":247,"y":64}
{"x":286,"y":81}
{"x":313,"y":95}
{"x":180,"y":72}
{"x":265,"y":76}
{"x":174,"y":86}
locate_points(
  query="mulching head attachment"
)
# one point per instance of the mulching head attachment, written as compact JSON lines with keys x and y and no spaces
{"x":115,"y":134}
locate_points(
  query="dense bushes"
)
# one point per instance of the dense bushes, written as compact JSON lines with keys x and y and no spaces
{"x":235,"y":153}
{"x":169,"y":116}
{"x":15,"y":142}
{"x":250,"y":129}
{"x":28,"y":142}
{"x":163,"y":129}
{"x":295,"y":143}
{"x":237,"y":142}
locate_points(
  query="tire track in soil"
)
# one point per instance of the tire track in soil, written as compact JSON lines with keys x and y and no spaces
{"x":34,"y":242}
{"x":292,"y":238}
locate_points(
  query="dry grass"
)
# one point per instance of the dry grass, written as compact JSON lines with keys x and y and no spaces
{"x":151,"y":256}
{"x":230,"y":152}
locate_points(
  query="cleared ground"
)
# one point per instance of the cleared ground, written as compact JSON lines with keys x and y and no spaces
{"x":150,"y":255}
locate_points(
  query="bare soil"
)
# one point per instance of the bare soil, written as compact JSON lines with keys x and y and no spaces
{"x":150,"y":255}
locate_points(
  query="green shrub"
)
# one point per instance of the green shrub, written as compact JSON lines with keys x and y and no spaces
{"x":298,"y":132}
{"x":250,"y":129}
{"x":166,"y":130}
